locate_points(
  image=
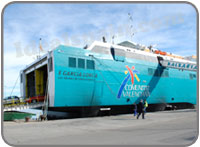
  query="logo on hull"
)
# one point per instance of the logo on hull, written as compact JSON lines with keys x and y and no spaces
{"x":131,"y":74}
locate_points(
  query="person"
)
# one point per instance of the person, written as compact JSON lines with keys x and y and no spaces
{"x":140,"y":109}
{"x":145,"y":105}
{"x":135,"y":109}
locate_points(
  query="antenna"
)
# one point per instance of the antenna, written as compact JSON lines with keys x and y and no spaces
{"x":104,"y":39}
{"x":131,"y":26}
{"x":40,"y":47}
{"x":113,"y":37}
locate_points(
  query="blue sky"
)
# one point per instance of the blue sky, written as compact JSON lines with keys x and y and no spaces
{"x":171,"y":27}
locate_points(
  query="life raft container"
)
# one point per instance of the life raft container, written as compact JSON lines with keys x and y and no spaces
{"x":163,"y":53}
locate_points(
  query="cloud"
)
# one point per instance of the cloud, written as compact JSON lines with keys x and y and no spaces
{"x":12,"y":67}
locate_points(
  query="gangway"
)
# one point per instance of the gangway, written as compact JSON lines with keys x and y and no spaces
{"x":23,"y":106}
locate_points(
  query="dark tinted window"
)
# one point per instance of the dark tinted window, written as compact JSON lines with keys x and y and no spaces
{"x":16,"y":97}
{"x":90,"y":64}
{"x":157,"y":73}
{"x":166,"y":73}
{"x":72,"y":62}
{"x":191,"y":76}
{"x":150,"y":71}
{"x":81,"y":63}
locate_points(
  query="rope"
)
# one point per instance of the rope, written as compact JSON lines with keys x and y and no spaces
{"x":91,"y":102}
{"x":108,"y":67}
{"x":104,"y":78}
{"x":14,"y":85}
{"x":107,"y":84}
{"x":45,"y":107}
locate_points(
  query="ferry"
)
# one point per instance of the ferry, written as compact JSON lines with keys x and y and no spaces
{"x":110,"y":77}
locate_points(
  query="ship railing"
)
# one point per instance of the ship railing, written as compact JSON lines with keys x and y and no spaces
{"x":22,"y":106}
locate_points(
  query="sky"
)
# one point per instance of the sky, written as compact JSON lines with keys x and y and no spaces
{"x":168,"y":27}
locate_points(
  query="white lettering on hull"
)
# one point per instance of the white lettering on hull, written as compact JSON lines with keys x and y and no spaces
{"x":136,"y":91}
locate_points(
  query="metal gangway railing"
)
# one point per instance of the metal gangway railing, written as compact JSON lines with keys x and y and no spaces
{"x":22,"y":106}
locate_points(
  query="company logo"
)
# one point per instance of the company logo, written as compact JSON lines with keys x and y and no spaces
{"x":132,"y":73}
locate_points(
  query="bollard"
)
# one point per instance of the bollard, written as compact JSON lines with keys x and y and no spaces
{"x":42,"y":118}
{"x":27,"y":119}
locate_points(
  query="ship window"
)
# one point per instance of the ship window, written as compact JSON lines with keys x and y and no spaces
{"x":72,"y":62}
{"x":191,"y":76}
{"x":157,"y":73}
{"x":90,"y":64}
{"x":150,"y":71}
{"x":50,"y":66}
{"x":81,"y":63}
{"x":166,"y":74}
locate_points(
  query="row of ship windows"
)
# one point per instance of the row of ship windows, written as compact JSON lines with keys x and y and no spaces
{"x":89,"y":64}
{"x":157,"y":73}
{"x":82,"y":63}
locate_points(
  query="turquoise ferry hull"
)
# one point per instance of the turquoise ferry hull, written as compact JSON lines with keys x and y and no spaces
{"x":76,"y":87}
{"x":80,"y":79}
